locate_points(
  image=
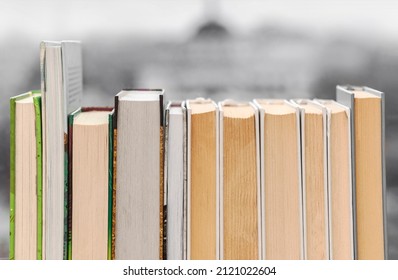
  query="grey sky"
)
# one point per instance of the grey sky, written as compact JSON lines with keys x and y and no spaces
{"x":45,"y":18}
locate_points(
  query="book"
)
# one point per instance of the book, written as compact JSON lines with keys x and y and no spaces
{"x":341,"y":228}
{"x":281,"y":189}
{"x":90,"y":147}
{"x":314,"y":179}
{"x":367,"y":125}
{"x":61,"y":86}
{"x":25,"y":177}
{"x":202,"y":179}
{"x":139,"y":174}
{"x":240,"y":211}
{"x":175,"y":180}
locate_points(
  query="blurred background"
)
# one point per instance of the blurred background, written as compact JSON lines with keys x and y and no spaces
{"x":218,"y":49}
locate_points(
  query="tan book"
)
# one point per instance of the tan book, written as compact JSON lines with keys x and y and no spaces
{"x":367,"y":107}
{"x":341,"y":231}
{"x":314,"y":178}
{"x":240,"y":221}
{"x":281,"y":190}
{"x":89,"y":184}
{"x":203,"y":181}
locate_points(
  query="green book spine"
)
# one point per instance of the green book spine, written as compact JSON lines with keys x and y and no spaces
{"x":12,"y":179}
{"x":37,"y":104}
{"x":69,"y":174}
{"x":110,"y":186}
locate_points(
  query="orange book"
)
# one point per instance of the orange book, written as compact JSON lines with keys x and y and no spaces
{"x":367,"y":109}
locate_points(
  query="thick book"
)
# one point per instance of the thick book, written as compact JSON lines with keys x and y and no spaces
{"x":139,"y":174}
{"x":368,"y":159}
{"x":202,"y":179}
{"x":175,"y":180}
{"x":61,"y":86}
{"x":25,"y":177}
{"x":90,"y":184}
{"x":340,"y":198}
{"x":240,"y":196}
{"x":281,"y":188}
{"x":314,"y":179}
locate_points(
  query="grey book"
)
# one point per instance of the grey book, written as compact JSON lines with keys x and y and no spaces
{"x":139,"y":175}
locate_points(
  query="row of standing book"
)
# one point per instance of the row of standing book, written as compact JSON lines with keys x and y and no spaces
{"x":267,"y":179}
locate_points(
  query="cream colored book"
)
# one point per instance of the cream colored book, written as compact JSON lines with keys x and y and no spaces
{"x":367,"y":108}
{"x":281,"y":189}
{"x":203,"y":180}
{"x":240,"y":211}
{"x":314,"y":178}
{"x":341,"y":229}
{"x":90,"y":151}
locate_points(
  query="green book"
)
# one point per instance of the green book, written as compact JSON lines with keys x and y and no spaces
{"x":25,"y":176}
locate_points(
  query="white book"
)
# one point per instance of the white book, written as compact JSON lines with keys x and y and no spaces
{"x":61,"y":85}
{"x":175,"y":175}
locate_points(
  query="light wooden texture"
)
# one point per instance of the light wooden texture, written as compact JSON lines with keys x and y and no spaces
{"x":282,"y":197}
{"x":203,"y":182}
{"x":315,"y":189}
{"x":90,"y":186}
{"x":340,"y":187}
{"x":368,"y":172}
{"x":138,"y":179}
{"x":25,"y":181}
{"x":240,"y":209}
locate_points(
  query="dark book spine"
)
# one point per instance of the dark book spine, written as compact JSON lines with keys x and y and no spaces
{"x":110,"y":185}
{"x":114,"y":159}
{"x":70,"y":187}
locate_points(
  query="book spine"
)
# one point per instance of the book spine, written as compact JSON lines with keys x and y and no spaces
{"x":110,"y":184}
{"x":166,"y":184}
{"x":162,"y":252}
{"x":70,"y":186}
{"x":37,"y":105}
{"x":114,"y":158}
{"x":344,"y":97}
{"x":12,"y":180}
{"x":184,"y":246}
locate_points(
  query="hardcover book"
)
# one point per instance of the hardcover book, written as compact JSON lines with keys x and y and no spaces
{"x":139,"y":175}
